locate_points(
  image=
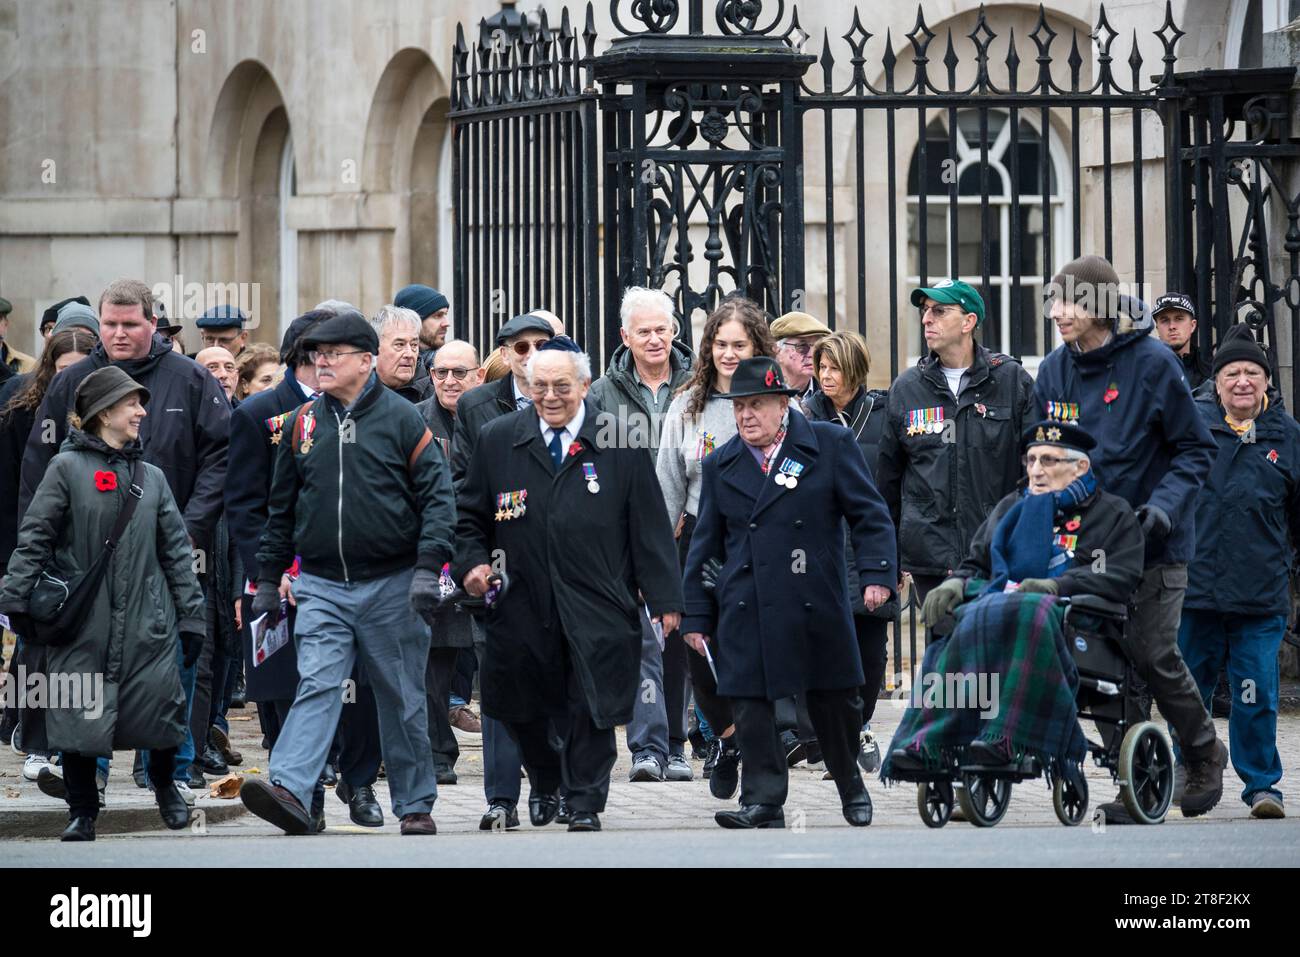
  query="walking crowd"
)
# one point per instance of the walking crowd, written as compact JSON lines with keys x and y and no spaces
{"x":704,"y":547}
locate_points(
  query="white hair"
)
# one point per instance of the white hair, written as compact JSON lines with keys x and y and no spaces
{"x":389,"y":314}
{"x":581,"y":364}
{"x":638,"y":298}
{"x":335,"y":306}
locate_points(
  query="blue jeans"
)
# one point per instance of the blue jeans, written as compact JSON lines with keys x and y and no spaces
{"x":185,"y":753}
{"x":1249,"y":645}
{"x":336,"y":623}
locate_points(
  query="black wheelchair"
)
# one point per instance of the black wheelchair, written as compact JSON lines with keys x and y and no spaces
{"x":1133,"y":748}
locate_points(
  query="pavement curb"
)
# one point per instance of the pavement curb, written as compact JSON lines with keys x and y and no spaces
{"x":49,"y":822}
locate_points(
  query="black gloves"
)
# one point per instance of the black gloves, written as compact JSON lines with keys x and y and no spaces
{"x":425,"y":592}
{"x":191,"y":646}
{"x":1155,"y":523}
{"x":709,"y":572}
{"x":267,"y":601}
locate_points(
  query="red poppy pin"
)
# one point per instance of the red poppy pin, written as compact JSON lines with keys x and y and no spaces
{"x":106,"y":481}
{"x":1272,"y":455}
{"x":1073,"y":524}
{"x":769,"y":378}
{"x":575,"y":448}
{"x":1112,"y":393}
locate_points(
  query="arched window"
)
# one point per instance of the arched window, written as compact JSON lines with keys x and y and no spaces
{"x":288,"y":239}
{"x":971,"y":238}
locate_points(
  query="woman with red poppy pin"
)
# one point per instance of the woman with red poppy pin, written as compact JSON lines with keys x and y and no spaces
{"x":148,"y":595}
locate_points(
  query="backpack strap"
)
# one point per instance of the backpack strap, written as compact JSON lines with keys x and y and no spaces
{"x":419,"y":447}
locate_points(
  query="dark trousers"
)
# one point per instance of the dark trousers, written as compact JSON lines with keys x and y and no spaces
{"x":79,"y":779}
{"x":676,"y":689}
{"x":501,"y":757}
{"x":716,"y":709}
{"x":462,"y":679}
{"x":836,"y":718}
{"x":873,"y":638}
{"x":438,"y":675}
{"x":359,"y":751}
{"x":792,"y":716}
{"x":205,"y":685}
{"x":1153,"y":647}
{"x":568,"y":754}
{"x":922,"y":585}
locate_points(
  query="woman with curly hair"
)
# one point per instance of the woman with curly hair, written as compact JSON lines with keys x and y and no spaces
{"x":696,"y":423}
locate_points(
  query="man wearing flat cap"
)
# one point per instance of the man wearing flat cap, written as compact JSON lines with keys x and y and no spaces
{"x":796,"y":335}
{"x":12,"y":362}
{"x":361,"y":495}
{"x":950,"y":448}
{"x":433,"y":311}
{"x":778,"y":619}
{"x":579,"y":532}
{"x":516,"y":341}
{"x":224,"y":326}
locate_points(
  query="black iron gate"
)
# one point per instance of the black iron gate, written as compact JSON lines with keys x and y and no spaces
{"x":960,"y":151}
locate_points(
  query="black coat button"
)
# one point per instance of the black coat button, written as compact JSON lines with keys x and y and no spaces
{"x":798,"y":523}
{"x":753,"y":526}
{"x":741,"y":605}
{"x":807,"y":606}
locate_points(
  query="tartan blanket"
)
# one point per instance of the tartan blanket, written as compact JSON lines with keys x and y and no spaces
{"x":1006,"y":676}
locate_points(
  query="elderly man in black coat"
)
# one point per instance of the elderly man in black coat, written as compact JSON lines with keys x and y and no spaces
{"x":771,"y":507}
{"x":580,"y":534}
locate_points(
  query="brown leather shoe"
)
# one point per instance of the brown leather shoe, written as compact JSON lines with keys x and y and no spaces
{"x":465,"y":719}
{"x":273,"y":803}
{"x":222,"y":743}
{"x":418,"y":824}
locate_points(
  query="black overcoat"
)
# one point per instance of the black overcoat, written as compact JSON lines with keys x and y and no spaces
{"x":580,"y":563}
{"x":782,"y":622}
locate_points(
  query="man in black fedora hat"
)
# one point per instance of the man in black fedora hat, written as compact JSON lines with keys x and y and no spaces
{"x":778,"y":622}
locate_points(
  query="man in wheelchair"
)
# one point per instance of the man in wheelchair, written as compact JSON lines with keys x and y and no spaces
{"x":1059,"y":536}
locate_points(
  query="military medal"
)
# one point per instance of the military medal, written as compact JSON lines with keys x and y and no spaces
{"x":589,"y":473}
{"x":274,"y":424}
{"x":788,"y":474}
{"x":517,"y":503}
{"x":1063,"y":411}
{"x":308,"y":427}
{"x":925,"y":421}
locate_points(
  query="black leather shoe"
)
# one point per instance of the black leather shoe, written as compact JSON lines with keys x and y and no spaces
{"x":196,"y":782}
{"x":445,"y":773}
{"x":542,"y":809}
{"x":363,"y":806}
{"x":584,"y":821}
{"x":79,"y":829}
{"x":751,"y":815}
{"x":905,"y":761}
{"x":858,"y":811}
{"x":212,"y":763}
{"x":51,"y":784}
{"x":318,"y":822}
{"x":499,"y":816}
{"x":330,"y":776}
{"x":175,"y":812}
{"x":562,"y":816}
{"x":726,"y":771}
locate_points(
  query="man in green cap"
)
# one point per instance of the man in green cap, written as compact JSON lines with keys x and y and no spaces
{"x":950,"y":449}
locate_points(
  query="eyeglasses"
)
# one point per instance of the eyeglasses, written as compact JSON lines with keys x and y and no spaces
{"x":935,"y":309}
{"x":331,"y":356}
{"x":458,"y":374}
{"x":561,"y":389}
{"x":1046,"y":461}
{"x":803,"y":348}
{"x":524,"y":346}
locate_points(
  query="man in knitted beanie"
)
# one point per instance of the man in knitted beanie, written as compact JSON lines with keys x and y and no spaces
{"x":1126,"y":388}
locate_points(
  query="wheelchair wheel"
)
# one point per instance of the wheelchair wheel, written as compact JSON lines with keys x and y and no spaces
{"x":1070,"y":799}
{"x":934,"y":801}
{"x":983,"y":800}
{"x":1146,"y":773}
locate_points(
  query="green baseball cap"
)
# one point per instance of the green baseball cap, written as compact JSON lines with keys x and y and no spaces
{"x":953,"y":291}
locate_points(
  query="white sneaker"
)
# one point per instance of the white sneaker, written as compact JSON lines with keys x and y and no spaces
{"x":33,"y":764}
{"x":186,"y":793}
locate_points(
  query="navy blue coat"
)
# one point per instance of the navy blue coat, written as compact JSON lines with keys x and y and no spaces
{"x":1152,"y":445}
{"x":781,"y":622}
{"x":248,"y":490}
{"x":1247,"y":516}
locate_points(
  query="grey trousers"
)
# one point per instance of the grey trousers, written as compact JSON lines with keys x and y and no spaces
{"x":501,"y":757}
{"x":647,"y":732}
{"x":337,"y":622}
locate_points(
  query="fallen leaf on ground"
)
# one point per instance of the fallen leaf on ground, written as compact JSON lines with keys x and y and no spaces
{"x":239,"y":717}
{"x":253,"y":771}
{"x":227,"y":787}
{"x":12,"y":792}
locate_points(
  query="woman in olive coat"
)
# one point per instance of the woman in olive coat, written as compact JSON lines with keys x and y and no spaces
{"x":126,"y":659}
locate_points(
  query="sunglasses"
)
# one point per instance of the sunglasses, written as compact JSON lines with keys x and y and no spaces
{"x":524,"y":346}
{"x":458,"y":374}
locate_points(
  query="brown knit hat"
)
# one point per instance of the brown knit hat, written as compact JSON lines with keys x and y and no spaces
{"x":1091,"y":283}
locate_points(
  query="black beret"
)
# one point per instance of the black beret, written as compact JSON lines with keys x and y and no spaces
{"x":1067,"y":435}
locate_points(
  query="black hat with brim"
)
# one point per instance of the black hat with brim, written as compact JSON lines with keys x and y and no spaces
{"x":346,"y":329}
{"x":521,"y":324}
{"x":758,"y":376}
{"x":104,"y":388}
{"x":1067,"y":435}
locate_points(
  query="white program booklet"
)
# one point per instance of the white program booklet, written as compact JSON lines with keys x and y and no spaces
{"x":266,"y":640}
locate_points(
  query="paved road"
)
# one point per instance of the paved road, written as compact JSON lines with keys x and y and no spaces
{"x":669,"y":825}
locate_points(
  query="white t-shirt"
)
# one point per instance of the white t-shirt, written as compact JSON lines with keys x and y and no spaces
{"x":954,"y":378}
